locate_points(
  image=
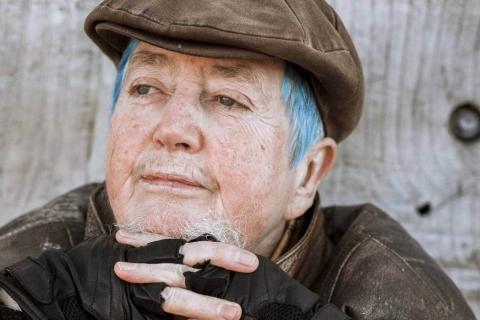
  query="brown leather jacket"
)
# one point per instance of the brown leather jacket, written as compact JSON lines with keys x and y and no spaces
{"x":355,"y":257}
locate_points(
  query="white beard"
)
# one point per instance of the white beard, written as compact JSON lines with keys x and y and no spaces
{"x":223,"y":229}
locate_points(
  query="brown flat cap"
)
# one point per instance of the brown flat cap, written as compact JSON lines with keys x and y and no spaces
{"x":307,"y":33}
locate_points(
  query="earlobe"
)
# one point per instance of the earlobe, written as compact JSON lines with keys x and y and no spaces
{"x":310,"y":173}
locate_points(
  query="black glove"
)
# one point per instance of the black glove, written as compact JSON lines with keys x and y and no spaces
{"x":81,"y":284}
{"x":268,"y":293}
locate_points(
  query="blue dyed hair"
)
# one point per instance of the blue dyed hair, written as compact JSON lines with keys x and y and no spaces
{"x":305,"y":121}
{"x":298,"y":96}
{"x":122,"y":70}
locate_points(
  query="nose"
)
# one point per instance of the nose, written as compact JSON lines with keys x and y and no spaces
{"x":179,"y":127}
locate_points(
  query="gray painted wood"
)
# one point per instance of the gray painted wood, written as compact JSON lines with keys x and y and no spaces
{"x":421,"y":59}
{"x":54,"y":96}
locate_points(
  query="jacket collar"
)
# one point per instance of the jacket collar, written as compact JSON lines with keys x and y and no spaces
{"x":304,"y":251}
{"x":308,"y":247}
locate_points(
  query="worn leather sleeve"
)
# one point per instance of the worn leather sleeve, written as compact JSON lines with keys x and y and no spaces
{"x":380,"y":272}
{"x":59,"y":224}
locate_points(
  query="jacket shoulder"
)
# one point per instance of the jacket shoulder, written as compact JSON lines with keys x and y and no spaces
{"x":378,"y":271}
{"x":59,"y":224}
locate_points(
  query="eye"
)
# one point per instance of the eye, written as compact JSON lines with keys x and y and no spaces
{"x":229,"y":102}
{"x":226,"y":101}
{"x":142,"y":89}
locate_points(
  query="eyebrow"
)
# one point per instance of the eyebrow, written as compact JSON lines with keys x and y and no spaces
{"x":239,"y":72}
{"x":147,"y":58}
{"x":242,"y":73}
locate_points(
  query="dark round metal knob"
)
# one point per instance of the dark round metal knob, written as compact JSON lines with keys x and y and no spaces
{"x":465,"y":123}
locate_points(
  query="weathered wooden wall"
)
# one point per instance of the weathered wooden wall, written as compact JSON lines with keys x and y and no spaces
{"x":54,"y":96}
{"x":421,"y":59}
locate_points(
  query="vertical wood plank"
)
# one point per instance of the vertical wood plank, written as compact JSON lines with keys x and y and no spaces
{"x":55,"y":93}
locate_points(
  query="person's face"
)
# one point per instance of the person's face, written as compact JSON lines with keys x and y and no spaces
{"x":201,"y":143}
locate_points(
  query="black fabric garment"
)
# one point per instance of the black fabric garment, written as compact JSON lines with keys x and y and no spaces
{"x":267,"y":293}
{"x":10,"y":314}
{"x":80,"y":283}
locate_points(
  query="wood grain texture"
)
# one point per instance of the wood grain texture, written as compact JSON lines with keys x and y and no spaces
{"x":421,"y":59}
{"x":54,"y":95}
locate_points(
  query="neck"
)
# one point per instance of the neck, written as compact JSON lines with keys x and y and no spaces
{"x":267,"y":244}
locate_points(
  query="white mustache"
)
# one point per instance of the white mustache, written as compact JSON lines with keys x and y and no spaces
{"x":150,"y":165}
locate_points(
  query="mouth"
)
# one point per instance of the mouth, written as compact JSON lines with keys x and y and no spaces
{"x":172,"y":183}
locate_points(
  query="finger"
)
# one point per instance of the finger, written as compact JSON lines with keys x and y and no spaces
{"x":137,"y":239}
{"x":219,"y":254}
{"x":188,"y":304}
{"x":169,"y":273}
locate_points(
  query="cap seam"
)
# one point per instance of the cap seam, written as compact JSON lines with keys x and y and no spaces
{"x":335,"y":23}
{"x":336,"y":50}
{"x":296,"y":17}
{"x":195,"y":25}
{"x":358,"y":70}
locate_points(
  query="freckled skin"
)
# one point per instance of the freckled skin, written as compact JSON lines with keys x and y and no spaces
{"x":241,"y":156}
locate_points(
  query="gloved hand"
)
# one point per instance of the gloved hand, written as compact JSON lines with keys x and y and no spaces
{"x":81,"y":284}
{"x":268,"y":293}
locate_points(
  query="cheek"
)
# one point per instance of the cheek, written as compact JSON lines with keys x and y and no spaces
{"x":251,"y":163}
{"x":128,"y":134}
{"x":251,"y":154}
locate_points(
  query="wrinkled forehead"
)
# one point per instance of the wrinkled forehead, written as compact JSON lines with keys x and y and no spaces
{"x":254,"y":71}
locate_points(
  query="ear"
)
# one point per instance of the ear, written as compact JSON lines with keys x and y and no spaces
{"x":310,"y":172}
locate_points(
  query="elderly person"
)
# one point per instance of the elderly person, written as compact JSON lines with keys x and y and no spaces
{"x":225,"y":121}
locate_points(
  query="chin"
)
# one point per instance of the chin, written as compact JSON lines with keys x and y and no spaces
{"x":152,"y":220}
{"x":182,"y":223}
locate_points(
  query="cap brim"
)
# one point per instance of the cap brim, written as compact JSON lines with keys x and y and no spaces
{"x":118,"y":37}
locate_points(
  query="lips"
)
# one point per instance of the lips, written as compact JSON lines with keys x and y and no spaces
{"x":170,"y":180}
